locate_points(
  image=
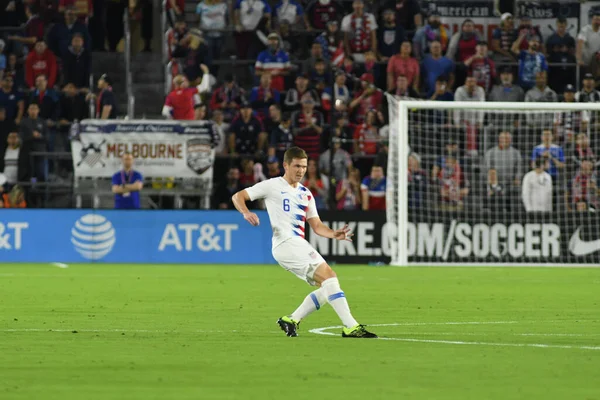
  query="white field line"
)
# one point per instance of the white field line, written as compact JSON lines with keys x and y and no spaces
{"x":59,"y":265}
{"x":124,"y":331}
{"x":322,"y":331}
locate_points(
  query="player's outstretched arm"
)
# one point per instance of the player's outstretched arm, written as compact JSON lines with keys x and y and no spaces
{"x":239,"y":201}
{"x":323,"y":230}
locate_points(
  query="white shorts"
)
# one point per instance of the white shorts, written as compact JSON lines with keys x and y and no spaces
{"x":299,"y":257}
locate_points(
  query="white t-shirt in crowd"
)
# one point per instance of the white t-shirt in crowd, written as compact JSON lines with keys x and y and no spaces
{"x":212,"y":16}
{"x":251,"y":12}
{"x":537,"y":192}
{"x":288,"y":207}
{"x":591,"y":43}
{"x":11,"y":159}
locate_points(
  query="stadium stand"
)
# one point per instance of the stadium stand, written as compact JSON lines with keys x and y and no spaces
{"x":306,"y":72}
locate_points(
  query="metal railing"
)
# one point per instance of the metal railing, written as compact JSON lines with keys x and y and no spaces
{"x":128,"y":78}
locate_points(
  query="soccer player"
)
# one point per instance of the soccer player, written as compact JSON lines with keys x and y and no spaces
{"x":289,"y":205}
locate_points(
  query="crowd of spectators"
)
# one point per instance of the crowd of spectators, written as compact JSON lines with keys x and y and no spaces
{"x":318,"y":80}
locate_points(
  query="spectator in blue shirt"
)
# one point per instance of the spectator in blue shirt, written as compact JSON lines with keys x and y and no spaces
{"x":552,"y":153}
{"x":126,"y":185}
{"x":531,"y":61}
{"x":435,"y":65}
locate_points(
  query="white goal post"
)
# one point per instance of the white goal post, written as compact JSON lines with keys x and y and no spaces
{"x":469,"y":199}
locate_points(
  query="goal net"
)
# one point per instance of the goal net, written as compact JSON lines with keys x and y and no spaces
{"x":502,"y":183}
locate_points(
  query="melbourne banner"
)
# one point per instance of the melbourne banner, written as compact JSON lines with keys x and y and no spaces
{"x":182,"y":150}
{"x":543,"y":15}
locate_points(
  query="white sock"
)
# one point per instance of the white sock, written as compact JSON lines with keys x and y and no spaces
{"x":312,"y":302}
{"x":338,"y":301}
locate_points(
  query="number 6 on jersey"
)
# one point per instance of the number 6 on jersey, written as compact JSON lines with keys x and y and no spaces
{"x":286,"y":205}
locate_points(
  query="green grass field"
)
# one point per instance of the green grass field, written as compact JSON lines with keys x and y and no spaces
{"x":209,"y":332}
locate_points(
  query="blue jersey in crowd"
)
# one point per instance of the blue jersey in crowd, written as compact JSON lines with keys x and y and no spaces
{"x":529,"y":66}
{"x":555,"y":151}
{"x":129,"y":200}
{"x":433,"y":69}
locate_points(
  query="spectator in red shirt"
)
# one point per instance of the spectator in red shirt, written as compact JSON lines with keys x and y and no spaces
{"x":366,"y":135}
{"x":307,"y":128}
{"x":366,"y":99}
{"x":462,"y":45}
{"x":40,"y":61}
{"x":179,"y":104}
{"x":403,"y":64}
{"x":482,"y":67}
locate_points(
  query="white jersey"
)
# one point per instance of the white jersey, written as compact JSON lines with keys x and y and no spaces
{"x":537,"y":192}
{"x":288,"y":207}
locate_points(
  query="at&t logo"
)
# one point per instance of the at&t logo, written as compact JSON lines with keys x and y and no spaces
{"x":93,"y":236}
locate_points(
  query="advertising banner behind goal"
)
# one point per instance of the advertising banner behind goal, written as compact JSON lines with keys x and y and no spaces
{"x":160,"y":150}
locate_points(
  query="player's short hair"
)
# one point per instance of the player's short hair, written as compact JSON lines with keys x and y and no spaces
{"x":294,"y":152}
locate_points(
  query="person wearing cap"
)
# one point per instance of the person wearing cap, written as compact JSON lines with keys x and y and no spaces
{"x":106,"y":104}
{"x":367,"y":98}
{"x":463,"y":44}
{"x":321,"y":12}
{"x":588,"y":41}
{"x":503,"y":38}
{"x":567,"y":123}
{"x":404,"y":64}
{"x":307,"y":128}
{"x":560,"y":38}
{"x":247,"y":134}
{"x":227,"y":98}
{"x":360,"y":32}
{"x":389,"y":36}
{"x":588,"y":92}
{"x":294,"y":95}
{"x":263,"y":96}
{"x":273,"y":167}
{"x":40,"y":61}
{"x":180,"y":103}
{"x":274,"y":61}
{"x":12,"y":100}
{"x":531,"y":61}
{"x":432,"y":31}
{"x":481,"y":66}
{"x":506,"y":90}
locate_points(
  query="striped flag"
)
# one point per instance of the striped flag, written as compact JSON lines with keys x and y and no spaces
{"x":338,"y":57}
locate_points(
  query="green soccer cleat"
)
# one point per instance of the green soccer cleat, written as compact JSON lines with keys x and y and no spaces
{"x":358,"y":331}
{"x":289,"y":326}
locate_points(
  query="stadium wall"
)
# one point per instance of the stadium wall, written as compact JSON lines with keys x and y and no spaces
{"x":223,"y":237}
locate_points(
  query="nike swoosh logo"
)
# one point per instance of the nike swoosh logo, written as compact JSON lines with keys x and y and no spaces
{"x":283,"y":192}
{"x":578,"y":247}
